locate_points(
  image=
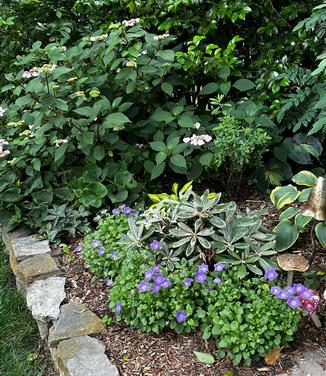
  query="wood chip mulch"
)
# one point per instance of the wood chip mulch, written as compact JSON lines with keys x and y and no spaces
{"x":147,"y":354}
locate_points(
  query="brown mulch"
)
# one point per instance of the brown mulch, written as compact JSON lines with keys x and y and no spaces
{"x":147,"y":354}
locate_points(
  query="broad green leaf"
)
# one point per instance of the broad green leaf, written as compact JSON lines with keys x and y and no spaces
{"x":167,"y":55}
{"x":320,"y":231}
{"x":158,"y":146}
{"x":179,"y":160}
{"x":210,"y":88}
{"x":301,"y":221}
{"x":60,"y":152}
{"x":88,"y":137}
{"x":289,"y":213}
{"x":99,"y":152}
{"x":204,"y":358}
{"x":162,"y":116}
{"x":243,"y":84}
{"x":185,"y":121}
{"x":225,"y":87}
{"x":206,"y":158}
{"x":286,"y":235}
{"x":304,"y":195}
{"x":282,"y":196}
{"x":157,"y":171}
{"x":120,"y":196}
{"x":115,"y":120}
{"x":167,"y":88}
{"x":44,"y":196}
{"x":306,"y":178}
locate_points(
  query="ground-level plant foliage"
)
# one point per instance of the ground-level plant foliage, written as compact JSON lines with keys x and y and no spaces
{"x":20,"y":345}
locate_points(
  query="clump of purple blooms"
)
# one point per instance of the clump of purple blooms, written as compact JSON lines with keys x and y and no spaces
{"x":125,"y":210}
{"x":201,"y":273}
{"x":291,"y":294}
{"x":154,"y":276}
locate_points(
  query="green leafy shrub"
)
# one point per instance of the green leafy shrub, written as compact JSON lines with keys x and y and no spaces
{"x":292,"y":222}
{"x":246,"y":319}
{"x":102,"y":250}
{"x":236,"y":148}
{"x":201,"y":227}
{"x":150,"y":310}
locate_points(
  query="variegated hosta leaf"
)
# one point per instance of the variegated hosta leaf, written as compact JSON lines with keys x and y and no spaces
{"x":306,"y":178}
{"x":286,"y":235}
{"x":304,"y":195}
{"x":320,"y":231}
{"x":282,"y":196}
{"x":301,"y":221}
{"x":289,"y":213}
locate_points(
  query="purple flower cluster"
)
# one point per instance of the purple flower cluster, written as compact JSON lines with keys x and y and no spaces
{"x":271,"y":274}
{"x":201,"y":273}
{"x":155,"y":245}
{"x":156,"y":278}
{"x":126,"y":210}
{"x":181,"y":316}
{"x":292,"y":294}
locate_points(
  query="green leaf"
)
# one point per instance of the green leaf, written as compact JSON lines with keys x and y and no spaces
{"x":166,"y":55}
{"x":157,"y":170}
{"x":99,"y":152}
{"x":286,"y":235}
{"x":317,"y":126}
{"x":243,"y":84}
{"x":210,"y":88}
{"x":320,"y":231}
{"x":301,"y":221}
{"x":88,"y":137}
{"x":44,"y":196}
{"x":204,"y":358}
{"x":120,"y":196}
{"x":304,"y":195}
{"x":289,"y":213}
{"x":179,"y":160}
{"x":225,"y":87}
{"x":167,"y":88}
{"x":115,"y":119}
{"x":162,"y":116}
{"x":36,"y":164}
{"x":60,"y":152}
{"x":85,"y":111}
{"x":158,"y":146}
{"x":306,"y":178}
{"x":282,"y":196}
{"x":206,"y":158}
{"x":60,"y":71}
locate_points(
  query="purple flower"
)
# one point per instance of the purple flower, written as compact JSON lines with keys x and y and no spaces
{"x":96,"y":243}
{"x":155,"y":244}
{"x":181,"y":316}
{"x":270,"y":274}
{"x":143,"y":286}
{"x":306,"y":294}
{"x":114,"y":254}
{"x":78,"y":249}
{"x":159,"y":278}
{"x":219,"y":267}
{"x":200,"y":277}
{"x":101,"y":251}
{"x":284,"y":295}
{"x":122,"y":206}
{"x":290,"y":290}
{"x":217,"y":280}
{"x":118,"y":308}
{"x":187,"y":282}
{"x":149,"y":274}
{"x":157,"y":268}
{"x":104,"y":212}
{"x":275,"y":290}
{"x":127,"y":210}
{"x":156,"y":287}
{"x":97,"y":218}
{"x":135,"y":214}
{"x":109,"y":282}
{"x":166,"y":283}
{"x":115,"y":211}
{"x":203,"y":268}
{"x":299,"y":288}
{"x":293,"y":302}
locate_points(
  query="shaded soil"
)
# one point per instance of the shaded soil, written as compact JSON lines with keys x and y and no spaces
{"x":139,"y":354}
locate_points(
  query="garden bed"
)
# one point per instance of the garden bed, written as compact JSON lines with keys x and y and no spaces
{"x":169,"y":353}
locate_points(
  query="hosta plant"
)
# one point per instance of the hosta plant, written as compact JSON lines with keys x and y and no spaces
{"x":292,"y":222}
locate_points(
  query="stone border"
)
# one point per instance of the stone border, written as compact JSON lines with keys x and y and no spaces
{"x":67,"y":329}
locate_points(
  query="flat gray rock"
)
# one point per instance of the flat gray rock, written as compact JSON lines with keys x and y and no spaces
{"x":83,"y":356}
{"x":312,"y":363}
{"x":75,"y":320}
{"x":44,"y":298}
{"x":8,"y":237}
{"x":37,"y":267}
{"x":29,"y":246}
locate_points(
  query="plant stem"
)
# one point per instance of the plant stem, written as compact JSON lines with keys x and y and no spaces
{"x":290,"y":278}
{"x":313,"y":254}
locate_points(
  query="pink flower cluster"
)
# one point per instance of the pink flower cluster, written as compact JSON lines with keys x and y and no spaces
{"x":34,"y":72}
{"x":131,"y":22}
{"x":197,"y":140}
{"x":311,"y":302}
{"x":3,"y":153}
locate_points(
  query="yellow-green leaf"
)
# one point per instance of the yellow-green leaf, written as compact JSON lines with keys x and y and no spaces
{"x":282,"y":196}
{"x":320,"y":230}
{"x":306,"y":178}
